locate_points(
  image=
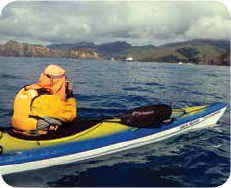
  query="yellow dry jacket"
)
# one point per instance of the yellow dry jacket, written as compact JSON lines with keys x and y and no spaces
{"x":53,"y":106}
{"x":21,"y":111}
{"x":28,"y":104}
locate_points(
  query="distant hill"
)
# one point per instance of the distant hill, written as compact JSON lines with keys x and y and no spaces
{"x":74,"y":46}
{"x":223,"y":59}
{"x":17,"y":49}
{"x":195,"y":51}
{"x":205,"y":52}
{"x":200,"y":42}
{"x":199,"y":51}
{"x":108,"y":50}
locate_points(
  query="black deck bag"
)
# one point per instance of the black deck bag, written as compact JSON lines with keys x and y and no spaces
{"x":147,"y":116}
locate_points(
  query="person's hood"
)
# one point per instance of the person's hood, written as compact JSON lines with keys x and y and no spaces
{"x":51,"y":79}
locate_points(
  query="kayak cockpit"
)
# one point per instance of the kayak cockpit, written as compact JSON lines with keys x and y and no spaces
{"x":64,"y":131}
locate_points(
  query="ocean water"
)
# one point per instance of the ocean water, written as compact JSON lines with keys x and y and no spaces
{"x":106,"y":88}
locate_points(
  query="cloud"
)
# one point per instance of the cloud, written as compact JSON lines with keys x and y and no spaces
{"x":209,"y":27}
{"x":137,"y":22}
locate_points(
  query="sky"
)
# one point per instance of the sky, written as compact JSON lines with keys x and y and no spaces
{"x":135,"y":22}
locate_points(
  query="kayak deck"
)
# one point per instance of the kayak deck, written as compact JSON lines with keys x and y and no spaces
{"x":91,"y":130}
{"x":102,"y":139}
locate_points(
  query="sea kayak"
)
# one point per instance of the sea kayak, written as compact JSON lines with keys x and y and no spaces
{"x":88,"y":139}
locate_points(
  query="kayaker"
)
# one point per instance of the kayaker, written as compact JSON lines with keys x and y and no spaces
{"x":44,"y":105}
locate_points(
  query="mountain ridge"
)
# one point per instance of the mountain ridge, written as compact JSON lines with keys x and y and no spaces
{"x":21,"y":49}
{"x":199,"y":51}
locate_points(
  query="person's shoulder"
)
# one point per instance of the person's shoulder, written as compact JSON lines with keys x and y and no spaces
{"x":22,"y":89}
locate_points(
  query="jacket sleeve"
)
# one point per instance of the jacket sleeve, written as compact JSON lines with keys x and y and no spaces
{"x":53,"y":106}
{"x":68,"y":113}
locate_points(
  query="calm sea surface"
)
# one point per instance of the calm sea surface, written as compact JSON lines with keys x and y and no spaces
{"x":104,"y":88}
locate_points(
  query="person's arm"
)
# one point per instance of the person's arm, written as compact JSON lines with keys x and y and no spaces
{"x":69,"y":90}
{"x":70,"y":102}
{"x":68,"y":113}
